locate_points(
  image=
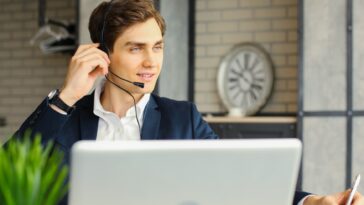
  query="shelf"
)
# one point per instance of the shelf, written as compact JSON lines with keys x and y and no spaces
{"x":264,"y":120}
{"x":253,"y":127}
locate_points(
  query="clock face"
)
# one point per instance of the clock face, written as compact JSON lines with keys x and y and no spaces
{"x":245,"y":78}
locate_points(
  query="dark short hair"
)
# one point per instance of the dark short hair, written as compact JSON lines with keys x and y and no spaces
{"x":118,"y":15}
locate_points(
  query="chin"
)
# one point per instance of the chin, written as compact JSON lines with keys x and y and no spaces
{"x":147,"y":89}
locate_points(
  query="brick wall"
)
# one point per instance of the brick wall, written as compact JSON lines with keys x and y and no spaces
{"x":222,"y":24}
{"x":27,"y":75}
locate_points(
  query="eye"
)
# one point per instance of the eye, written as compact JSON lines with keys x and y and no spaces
{"x":135,"y":49}
{"x":158,"y":47}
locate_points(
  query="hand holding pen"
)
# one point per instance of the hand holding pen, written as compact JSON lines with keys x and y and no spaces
{"x":354,"y":187}
{"x":348,"y":197}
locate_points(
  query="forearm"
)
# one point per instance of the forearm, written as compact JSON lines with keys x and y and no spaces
{"x":45,"y":121}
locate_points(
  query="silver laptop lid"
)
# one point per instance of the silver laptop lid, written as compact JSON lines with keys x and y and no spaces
{"x":194,"y":172}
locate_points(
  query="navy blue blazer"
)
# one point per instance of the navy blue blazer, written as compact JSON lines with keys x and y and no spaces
{"x":163,"y":119}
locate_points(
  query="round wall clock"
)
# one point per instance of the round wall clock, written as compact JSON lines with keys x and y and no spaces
{"x":245,"y":79}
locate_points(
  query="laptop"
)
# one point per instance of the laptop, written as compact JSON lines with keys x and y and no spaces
{"x":185,"y":172}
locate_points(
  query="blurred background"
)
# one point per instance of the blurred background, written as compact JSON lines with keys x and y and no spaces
{"x":316,"y":52}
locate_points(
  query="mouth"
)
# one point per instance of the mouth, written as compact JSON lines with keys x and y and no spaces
{"x":146,"y":77}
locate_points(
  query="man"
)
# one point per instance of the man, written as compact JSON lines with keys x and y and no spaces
{"x":128,"y":50}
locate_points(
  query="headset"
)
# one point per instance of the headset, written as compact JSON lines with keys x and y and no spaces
{"x":104,"y":48}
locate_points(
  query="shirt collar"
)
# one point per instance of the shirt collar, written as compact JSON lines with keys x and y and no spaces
{"x":99,"y":109}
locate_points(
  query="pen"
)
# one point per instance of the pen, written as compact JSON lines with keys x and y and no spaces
{"x":353,"y":189}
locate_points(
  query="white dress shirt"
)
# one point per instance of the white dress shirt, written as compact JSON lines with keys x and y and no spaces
{"x":110,"y":126}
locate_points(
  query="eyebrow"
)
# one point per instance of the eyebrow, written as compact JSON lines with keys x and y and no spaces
{"x":135,"y":43}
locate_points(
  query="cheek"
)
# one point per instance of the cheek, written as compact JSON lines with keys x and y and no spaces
{"x":129,"y":61}
{"x":160,"y":59}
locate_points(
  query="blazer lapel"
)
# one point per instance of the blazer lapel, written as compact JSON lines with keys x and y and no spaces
{"x":88,"y":120}
{"x":152,"y":117}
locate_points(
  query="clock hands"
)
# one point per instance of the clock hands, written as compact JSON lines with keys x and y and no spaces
{"x":246,"y":67}
{"x":245,"y":84}
{"x":248,"y":92}
{"x":257,"y":86}
{"x":246,"y":80}
{"x":241,"y":75}
{"x":235,"y":72}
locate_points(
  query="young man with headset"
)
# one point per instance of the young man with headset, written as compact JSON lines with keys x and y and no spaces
{"x":128,"y":53}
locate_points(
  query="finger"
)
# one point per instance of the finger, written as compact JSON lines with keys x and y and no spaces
{"x":95,"y":60}
{"x":104,"y":55}
{"x":84,"y":47}
{"x":91,"y":51}
{"x":358,"y":199}
{"x":85,"y":51}
{"x":342,"y":197}
{"x":98,"y":71}
{"x":93,"y":63}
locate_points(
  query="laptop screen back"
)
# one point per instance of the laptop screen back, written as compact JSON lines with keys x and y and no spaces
{"x":196,"y":172}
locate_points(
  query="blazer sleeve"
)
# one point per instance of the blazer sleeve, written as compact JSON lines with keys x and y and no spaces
{"x":298,"y":196}
{"x":200,"y":127}
{"x":45,"y":121}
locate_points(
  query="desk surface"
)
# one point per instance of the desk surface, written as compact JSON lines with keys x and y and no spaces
{"x":283,"y":120}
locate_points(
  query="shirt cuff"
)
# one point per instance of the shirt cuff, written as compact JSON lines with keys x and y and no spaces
{"x":303,"y":199}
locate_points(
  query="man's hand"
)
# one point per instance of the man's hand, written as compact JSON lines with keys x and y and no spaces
{"x":335,"y":199}
{"x":86,"y":65}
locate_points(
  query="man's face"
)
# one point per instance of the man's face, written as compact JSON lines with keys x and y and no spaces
{"x":138,"y":56}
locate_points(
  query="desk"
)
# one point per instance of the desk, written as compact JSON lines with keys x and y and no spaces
{"x":253,"y":127}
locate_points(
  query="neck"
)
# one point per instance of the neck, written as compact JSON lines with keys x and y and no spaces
{"x":115,"y":100}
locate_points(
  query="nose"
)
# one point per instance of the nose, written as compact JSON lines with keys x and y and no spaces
{"x":150,"y":59}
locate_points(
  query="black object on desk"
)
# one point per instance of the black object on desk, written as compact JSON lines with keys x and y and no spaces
{"x":253,"y":127}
